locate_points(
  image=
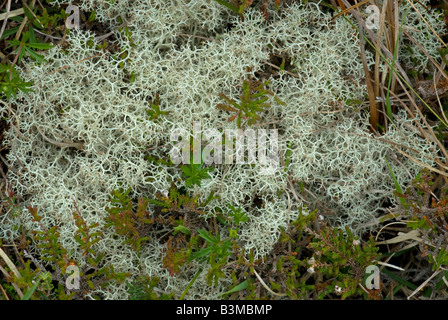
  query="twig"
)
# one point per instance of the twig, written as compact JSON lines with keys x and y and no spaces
{"x":65,"y":67}
{"x":48,"y":35}
{"x":77,"y":145}
{"x":39,"y":265}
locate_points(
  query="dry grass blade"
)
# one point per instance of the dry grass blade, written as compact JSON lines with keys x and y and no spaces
{"x":420,"y":131}
{"x":389,"y":224}
{"x":199,"y":37}
{"x":445,"y":281}
{"x":370,"y":89}
{"x":278,"y":68}
{"x":396,"y":145}
{"x":267,"y":288}
{"x":411,"y":235}
{"x":431,"y":132}
{"x":444,"y":173}
{"x":13,"y":13}
{"x":397,"y":23}
{"x":4,"y":292}
{"x":390,"y":265}
{"x":25,"y":20}
{"x":438,"y":101}
{"x":9,"y":263}
{"x":32,"y":13}
{"x":74,"y":63}
{"x":377,"y":55}
{"x":5,"y":273}
{"x":374,"y":39}
{"x":394,"y":33}
{"x":441,"y":70}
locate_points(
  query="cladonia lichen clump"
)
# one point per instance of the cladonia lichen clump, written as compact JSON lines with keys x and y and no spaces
{"x":85,"y":96}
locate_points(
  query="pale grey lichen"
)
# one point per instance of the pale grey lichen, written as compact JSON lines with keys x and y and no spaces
{"x":81,"y":97}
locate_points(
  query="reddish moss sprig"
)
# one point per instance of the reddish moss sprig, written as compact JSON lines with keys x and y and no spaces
{"x":126,"y":221}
